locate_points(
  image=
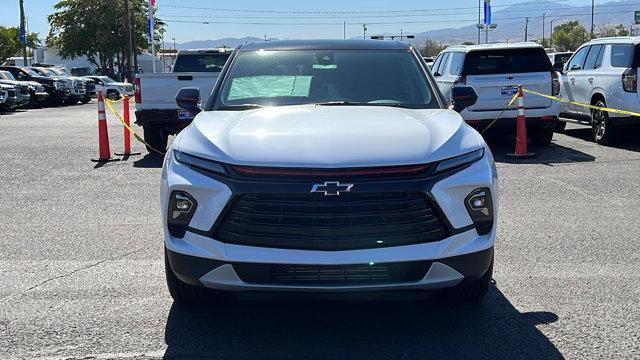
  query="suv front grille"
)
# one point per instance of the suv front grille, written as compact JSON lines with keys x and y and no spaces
{"x":332,"y":275}
{"x":317,"y":222}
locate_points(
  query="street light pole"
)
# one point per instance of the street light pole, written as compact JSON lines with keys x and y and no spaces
{"x":23,"y":29}
{"x":593,"y":3}
{"x":479,"y":2}
{"x":526,"y":29}
{"x":364,"y":31}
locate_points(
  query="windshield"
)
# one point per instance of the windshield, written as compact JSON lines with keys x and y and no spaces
{"x":44,"y":72}
{"x":30,"y":71}
{"x":6,"y":75}
{"x":58,"y":71}
{"x":334,"y":77}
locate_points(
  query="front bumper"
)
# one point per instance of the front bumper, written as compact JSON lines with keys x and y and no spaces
{"x":228,"y":276}
{"x":212,"y":263}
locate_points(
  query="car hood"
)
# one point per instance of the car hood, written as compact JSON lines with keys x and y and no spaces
{"x":328,"y":136}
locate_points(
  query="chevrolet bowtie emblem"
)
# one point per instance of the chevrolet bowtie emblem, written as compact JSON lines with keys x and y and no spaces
{"x":331,"y":188}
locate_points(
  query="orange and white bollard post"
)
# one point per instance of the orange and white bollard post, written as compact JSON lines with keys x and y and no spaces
{"x":521,"y":151}
{"x":127,"y":134}
{"x":103,"y":135}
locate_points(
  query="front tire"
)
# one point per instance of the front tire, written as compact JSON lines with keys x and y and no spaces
{"x":113,"y":95}
{"x":181,"y":292}
{"x":604,"y":132}
{"x":472,"y":290}
{"x":155,"y":138}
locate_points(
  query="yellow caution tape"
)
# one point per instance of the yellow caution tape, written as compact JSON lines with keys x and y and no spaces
{"x":602,"y":108}
{"x":513,"y":99}
{"x":113,"y":110}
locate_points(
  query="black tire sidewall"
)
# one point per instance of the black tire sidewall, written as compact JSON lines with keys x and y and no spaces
{"x":155,"y":137}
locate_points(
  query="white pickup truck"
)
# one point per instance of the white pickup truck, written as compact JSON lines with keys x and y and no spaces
{"x":156,"y":109}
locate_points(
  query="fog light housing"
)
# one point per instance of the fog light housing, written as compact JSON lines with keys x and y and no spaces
{"x":479,"y":204}
{"x":182,"y":206}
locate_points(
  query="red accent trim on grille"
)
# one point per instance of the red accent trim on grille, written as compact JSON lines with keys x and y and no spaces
{"x":250,"y":170}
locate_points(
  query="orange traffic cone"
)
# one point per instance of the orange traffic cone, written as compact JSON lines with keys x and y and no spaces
{"x":127,"y":135}
{"x":521,"y":132}
{"x":103,"y":135}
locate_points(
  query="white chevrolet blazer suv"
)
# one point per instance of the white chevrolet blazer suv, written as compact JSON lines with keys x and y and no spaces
{"x":328,"y":166}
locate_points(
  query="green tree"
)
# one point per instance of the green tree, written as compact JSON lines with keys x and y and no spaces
{"x":95,"y":30}
{"x":430,"y":47}
{"x":613,"y":30}
{"x":569,"y":35}
{"x":10,"y":43}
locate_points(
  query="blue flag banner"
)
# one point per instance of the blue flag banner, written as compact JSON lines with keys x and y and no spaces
{"x":22,"y":36}
{"x":487,"y":12}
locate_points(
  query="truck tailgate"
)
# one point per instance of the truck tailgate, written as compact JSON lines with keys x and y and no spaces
{"x":159,"y":90}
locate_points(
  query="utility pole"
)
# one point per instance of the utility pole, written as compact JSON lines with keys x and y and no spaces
{"x":551,"y":36}
{"x":364,"y":31}
{"x":127,"y":29}
{"x":133,"y":42}
{"x":543,"y":15}
{"x":526,"y":29}
{"x":593,"y":7}
{"x":23,"y":30}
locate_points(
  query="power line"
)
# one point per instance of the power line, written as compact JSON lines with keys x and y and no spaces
{"x":299,"y":12}
{"x":212,"y":21}
{"x":386,"y":15}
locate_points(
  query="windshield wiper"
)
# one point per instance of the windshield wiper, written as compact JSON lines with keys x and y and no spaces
{"x":342,"y":103}
{"x":241,"y":107}
{"x":354,"y":103}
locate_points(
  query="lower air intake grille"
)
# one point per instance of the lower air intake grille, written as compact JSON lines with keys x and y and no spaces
{"x":332,"y":275}
{"x":317,"y":222}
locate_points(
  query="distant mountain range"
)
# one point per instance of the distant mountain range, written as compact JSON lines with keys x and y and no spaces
{"x":510,"y":20}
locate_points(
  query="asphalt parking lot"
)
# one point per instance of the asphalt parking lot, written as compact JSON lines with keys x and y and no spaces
{"x":82,"y":270}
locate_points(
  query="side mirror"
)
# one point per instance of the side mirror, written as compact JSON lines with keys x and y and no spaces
{"x":559,"y":67}
{"x":463,"y":96}
{"x":188,"y":99}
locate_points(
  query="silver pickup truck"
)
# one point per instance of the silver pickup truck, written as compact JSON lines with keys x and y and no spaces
{"x":156,"y":109}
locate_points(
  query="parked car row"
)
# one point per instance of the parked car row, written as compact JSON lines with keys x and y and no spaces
{"x":602,"y":73}
{"x":45,"y":85}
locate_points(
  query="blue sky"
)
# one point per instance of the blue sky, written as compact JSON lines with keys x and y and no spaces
{"x":180,"y":26}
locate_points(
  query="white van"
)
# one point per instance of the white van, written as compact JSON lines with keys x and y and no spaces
{"x":495,"y":71}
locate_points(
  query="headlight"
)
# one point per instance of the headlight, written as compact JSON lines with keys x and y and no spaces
{"x":479,"y":204}
{"x":182,"y":206}
{"x":199,"y":163}
{"x":459,"y":161}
